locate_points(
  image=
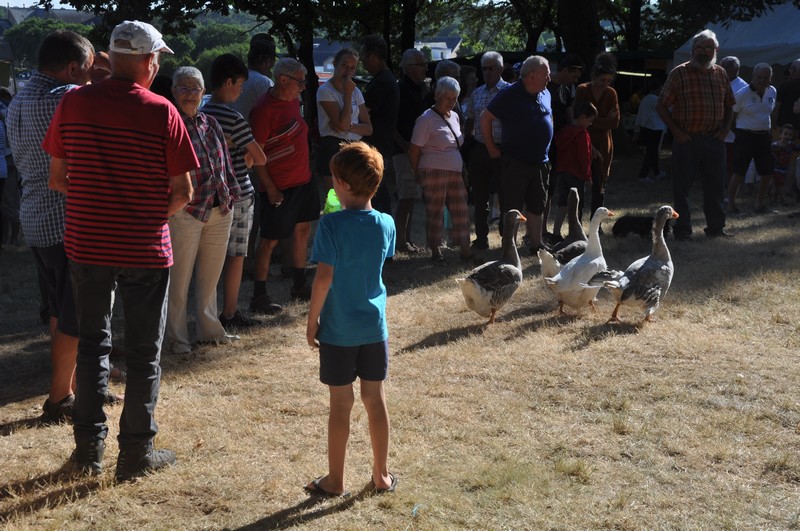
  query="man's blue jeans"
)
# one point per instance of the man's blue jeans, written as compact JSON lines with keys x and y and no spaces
{"x":702,"y":157}
{"x":144,"y":294}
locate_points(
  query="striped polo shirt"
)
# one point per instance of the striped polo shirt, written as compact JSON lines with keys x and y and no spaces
{"x":122,"y":143}
{"x":239,"y":134}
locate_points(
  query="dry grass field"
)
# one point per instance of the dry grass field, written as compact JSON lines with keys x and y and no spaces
{"x":535,"y":422}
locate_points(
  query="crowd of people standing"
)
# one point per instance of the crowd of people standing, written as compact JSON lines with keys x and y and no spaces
{"x":186,"y":186}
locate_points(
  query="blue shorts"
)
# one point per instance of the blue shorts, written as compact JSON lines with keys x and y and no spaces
{"x":341,"y":365}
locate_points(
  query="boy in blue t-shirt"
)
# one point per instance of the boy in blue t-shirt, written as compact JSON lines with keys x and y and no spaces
{"x":347,"y":313}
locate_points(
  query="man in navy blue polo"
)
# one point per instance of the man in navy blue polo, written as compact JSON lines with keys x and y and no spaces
{"x":526,"y":119}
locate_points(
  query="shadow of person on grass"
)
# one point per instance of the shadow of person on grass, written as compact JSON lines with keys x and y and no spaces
{"x":438,"y":339}
{"x":9,"y":428}
{"x":296,"y":515}
{"x":49,"y":490}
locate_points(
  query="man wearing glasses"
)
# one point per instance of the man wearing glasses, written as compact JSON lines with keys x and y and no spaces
{"x":484,"y":172}
{"x":697,"y":106}
{"x":412,"y":104}
{"x":525,"y":112}
{"x":290,"y":200}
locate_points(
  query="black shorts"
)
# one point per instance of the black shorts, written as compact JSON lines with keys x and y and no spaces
{"x":756,"y":146}
{"x":54,"y":268}
{"x":524,"y":185}
{"x":341,"y":365}
{"x":300,"y":204}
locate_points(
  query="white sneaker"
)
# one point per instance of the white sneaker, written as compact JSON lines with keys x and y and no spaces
{"x":224,"y":339}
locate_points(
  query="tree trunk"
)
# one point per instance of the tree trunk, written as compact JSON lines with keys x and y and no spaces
{"x":408,"y":26}
{"x":579,"y":26}
{"x":387,"y":32}
{"x":306,"y":56}
{"x":634,"y":36}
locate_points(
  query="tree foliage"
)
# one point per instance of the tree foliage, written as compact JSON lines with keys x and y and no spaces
{"x":182,"y":45}
{"x":25,"y":38}
{"x":209,"y":36}
{"x":204,"y":60}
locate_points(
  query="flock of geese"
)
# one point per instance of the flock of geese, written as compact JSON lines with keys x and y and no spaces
{"x":575,"y":270}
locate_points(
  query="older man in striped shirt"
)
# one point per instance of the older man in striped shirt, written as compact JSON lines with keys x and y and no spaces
{"x":129,"y":158}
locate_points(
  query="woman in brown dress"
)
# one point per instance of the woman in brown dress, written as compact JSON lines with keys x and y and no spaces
{"x":600,"y":93}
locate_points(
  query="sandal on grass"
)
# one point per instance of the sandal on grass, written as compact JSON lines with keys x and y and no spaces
{"x":391,"y":488}
{"x":314,"y":489}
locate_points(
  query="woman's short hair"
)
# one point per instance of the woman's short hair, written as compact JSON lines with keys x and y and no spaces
{"x":605,"y":64}
{"x":187,"y":72}
{"x":343,"y":52}
{"x":446,"y":67}
{"x":286,"y":66}
{"x":446,"y":85}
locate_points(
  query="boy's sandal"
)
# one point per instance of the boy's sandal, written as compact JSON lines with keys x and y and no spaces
{"x":314,"y":489}
{"x":391,"y":488}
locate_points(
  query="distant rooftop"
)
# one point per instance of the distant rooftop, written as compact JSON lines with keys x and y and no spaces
{"x":69,"y":16}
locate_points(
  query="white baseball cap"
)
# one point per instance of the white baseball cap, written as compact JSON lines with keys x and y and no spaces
{"x":137,"y":38}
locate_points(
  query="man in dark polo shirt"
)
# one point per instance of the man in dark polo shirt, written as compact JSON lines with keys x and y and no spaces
{"x":788,"y":94}
{"x":382,"y":99}
{"x":526,"y":118}
{"x":412,"y":96}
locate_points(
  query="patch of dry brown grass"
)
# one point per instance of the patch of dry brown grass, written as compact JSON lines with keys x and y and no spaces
{"x":535,"y":422}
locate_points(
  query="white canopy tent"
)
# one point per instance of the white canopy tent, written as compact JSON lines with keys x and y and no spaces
{"x":772,"y":38}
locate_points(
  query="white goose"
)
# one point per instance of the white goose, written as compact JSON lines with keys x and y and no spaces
{"x":646,"y":281}
{"x":489,"y":287}
{"x":570,"y":283}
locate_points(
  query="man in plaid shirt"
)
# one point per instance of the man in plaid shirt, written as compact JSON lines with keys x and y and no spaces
{"x":696,"y":104}
{"x":65,"y":61}
{"x":484,"y":172}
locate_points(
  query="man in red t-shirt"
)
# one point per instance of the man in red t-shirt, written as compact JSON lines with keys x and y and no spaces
{"x":122,"y":156}
{"x":289,"y":197}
